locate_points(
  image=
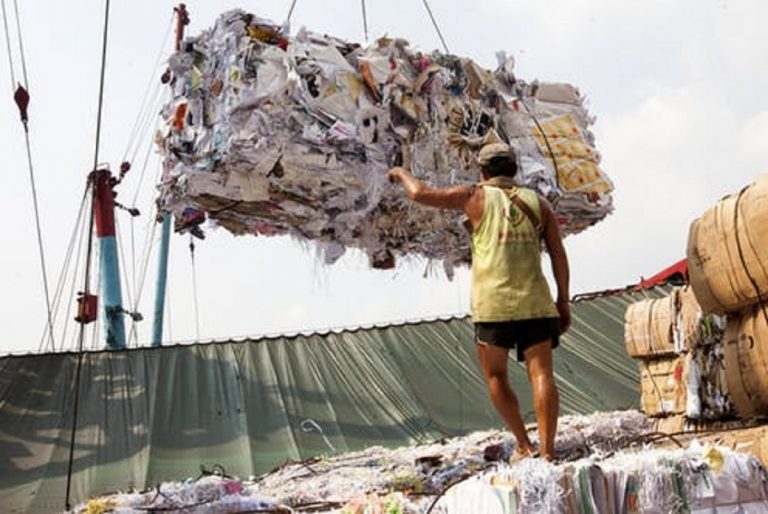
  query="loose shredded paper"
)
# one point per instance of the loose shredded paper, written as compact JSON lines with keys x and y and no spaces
{"x":270,"y":134}
{"x":603,"y":467}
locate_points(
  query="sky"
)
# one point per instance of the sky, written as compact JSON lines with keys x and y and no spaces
{"x":677,"y":89}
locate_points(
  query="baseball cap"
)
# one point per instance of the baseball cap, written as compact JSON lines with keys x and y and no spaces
{"x":493,"y":150}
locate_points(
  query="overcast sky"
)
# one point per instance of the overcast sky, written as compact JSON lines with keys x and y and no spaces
{"x":678,"y":89}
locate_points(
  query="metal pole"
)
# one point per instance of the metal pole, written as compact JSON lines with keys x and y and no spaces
{"x":104,"y":208}
{"x":182,"y":19}
{"x":162,"y":278}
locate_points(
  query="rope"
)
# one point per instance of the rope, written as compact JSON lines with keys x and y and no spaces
{"x":8,"y":44}
{"x":21,"y":96}
{"x":365,"y":21}
{"x":41,"y":250}
{"x":81,"y":241}
{"x":148,"y":89}
{"x":290,"y":12}
{"x":21,"y":45}
{"x":194,"y":286}
{"x":437,"y":29}
{"x":144,"y":271}
{"x":89,"y":255}
{"x":101,"y":86}
{"x":546,"y":142}
{"x":57,"y":295}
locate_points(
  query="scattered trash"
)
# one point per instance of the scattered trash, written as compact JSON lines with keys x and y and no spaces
{"x":270,"y":134}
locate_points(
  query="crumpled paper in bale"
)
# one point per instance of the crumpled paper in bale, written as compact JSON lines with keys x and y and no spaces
{"x":454,"y":476}
{"x":649,"y":481}
{"x":270,"y":134}
{"x":708,"y":397}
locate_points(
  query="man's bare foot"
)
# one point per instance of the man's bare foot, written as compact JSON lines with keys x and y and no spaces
{"x":524,"y":453}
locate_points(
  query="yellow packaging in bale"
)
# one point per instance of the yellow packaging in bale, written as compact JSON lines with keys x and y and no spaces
{"x":560,"y":139}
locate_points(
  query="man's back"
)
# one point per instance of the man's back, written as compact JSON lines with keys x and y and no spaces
{"x":507,"y":280}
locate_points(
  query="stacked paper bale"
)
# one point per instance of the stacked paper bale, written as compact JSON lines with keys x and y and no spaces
{"x":728,"y":266}
{"x":680,"y":352}
{"x":649,"y":338}
{"x":269,"y":134}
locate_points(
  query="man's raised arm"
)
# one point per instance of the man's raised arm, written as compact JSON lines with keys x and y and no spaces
{"x":456,"y":197}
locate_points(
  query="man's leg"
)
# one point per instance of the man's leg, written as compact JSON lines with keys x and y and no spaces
{"x":493,"y":361}
{"x":538,"y":360}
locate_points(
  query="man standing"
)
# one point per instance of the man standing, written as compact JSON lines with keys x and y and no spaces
{"x":511,"y":303}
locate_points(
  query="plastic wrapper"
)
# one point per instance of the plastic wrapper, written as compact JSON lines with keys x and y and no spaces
{"x":269,"y":134}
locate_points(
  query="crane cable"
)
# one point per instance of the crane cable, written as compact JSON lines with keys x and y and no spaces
{"x":290,"y":13}
{"x":74,"y":242}
{"x":437,"y":28}
{"x":365,"y":20}
{"x":21,"y":97}
{"x":86,"y":289}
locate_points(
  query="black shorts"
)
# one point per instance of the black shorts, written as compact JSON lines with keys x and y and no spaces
{"x":519,"y":334}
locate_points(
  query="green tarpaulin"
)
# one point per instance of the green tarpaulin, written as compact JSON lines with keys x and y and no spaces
{"x":154,"y":414}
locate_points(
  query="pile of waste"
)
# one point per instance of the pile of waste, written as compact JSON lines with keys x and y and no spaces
{"x":269,"y":134}
{"x":729,"y":274}
{"x":602,"y":467}
{"x":681,"y":354}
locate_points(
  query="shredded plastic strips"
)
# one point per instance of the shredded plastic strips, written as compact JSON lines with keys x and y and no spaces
{"x":269,"y":134}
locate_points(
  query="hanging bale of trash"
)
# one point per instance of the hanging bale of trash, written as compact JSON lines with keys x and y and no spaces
{"x":727,"y":257}
{"x":746,"y":361}
{"x":270,"y":134}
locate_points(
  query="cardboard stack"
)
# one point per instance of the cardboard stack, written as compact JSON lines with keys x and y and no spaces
{"x":649,"y":328}
{"x":681,"y":359}
{"x":728,"y":266}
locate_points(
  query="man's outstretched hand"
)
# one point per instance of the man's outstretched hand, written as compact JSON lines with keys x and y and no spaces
{"x":396,"y":174}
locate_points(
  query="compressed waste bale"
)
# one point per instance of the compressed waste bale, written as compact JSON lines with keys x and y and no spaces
{"x":663,"y":326}
{"x":746,"y":361}
{"x":748,"y":440}
{"x":672,"y":424}
{"x":269,"y":134}
{"x":648,"y":327}
{"x":663,"y":386}
{"x":727,"y":257}
{"x":687,"y":316}
{"x":708,"y":392}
